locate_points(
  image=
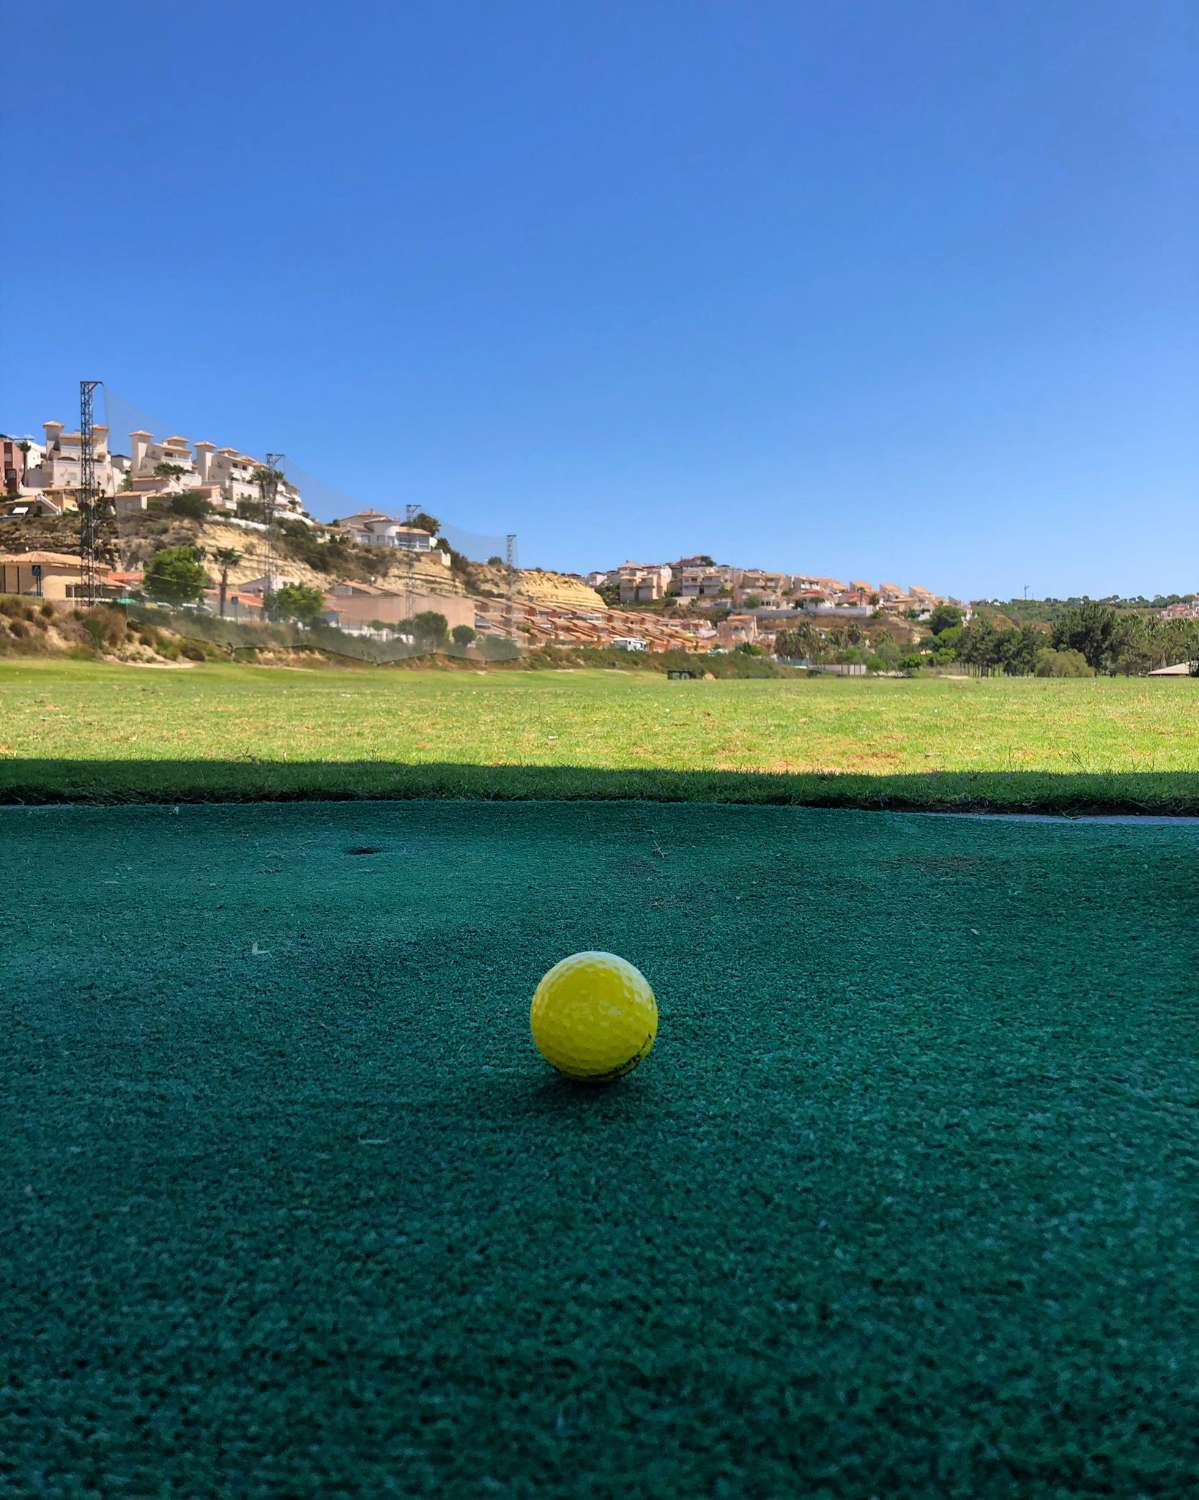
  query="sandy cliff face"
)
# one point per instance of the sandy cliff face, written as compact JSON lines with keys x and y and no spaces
{"x":427,"y":574}
{"x":557,"y":588}
{"x":541,"y":585}
{"x":138,"y":540}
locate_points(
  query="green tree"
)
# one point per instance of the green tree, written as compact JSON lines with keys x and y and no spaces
{"x":225,"y":558}
{"x":426,"y":522}
{"x":803,"y":642}
{"x":168,"y":471}
{"x":945,"y":644}
{"x":462,"y":635}
{"x":295,"y":601}
{"x":752,"y":601}
{"x":944,"y":617}
{"x":428,"y":629}
{"x":1017,"y":650}
{"x":1097,"y":630}
{"x":189,"y":504}
{"x":176,"y":575}
{"x":978,"y":646}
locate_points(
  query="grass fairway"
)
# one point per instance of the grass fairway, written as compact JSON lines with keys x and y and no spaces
{"x":82,"y":731}
{"x":903,"y":1203}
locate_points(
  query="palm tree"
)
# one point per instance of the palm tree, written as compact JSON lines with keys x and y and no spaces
{"x":225,"y":558}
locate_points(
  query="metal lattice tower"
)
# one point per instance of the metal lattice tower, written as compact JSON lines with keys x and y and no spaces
{"x":93,"y":506}
{"x":268,"y":489}
{"x":410,"y":514}
{"x":510,"y":564}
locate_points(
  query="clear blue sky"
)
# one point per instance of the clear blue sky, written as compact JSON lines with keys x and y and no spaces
{"x":903,"y":290}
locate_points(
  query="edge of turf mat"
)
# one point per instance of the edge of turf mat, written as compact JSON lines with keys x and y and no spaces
{"x":157,"y":782}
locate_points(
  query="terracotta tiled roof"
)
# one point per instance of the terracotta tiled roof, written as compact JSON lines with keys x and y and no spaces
{"x":62,"y":559}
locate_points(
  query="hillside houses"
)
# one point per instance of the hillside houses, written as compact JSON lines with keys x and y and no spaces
{"x":544,"y":624}
{"x":51,"y":471}
{"x":698,"y":583}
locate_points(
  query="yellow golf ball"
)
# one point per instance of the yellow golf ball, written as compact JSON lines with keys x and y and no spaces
{"x":594,"y":1017}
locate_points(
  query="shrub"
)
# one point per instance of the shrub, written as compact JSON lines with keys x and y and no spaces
{"x":18,"y":629}
{"x":1066,"y":663}
{"x":497,"y":648}
{"x":192,"y":506}
{"x":47,"y":611}
{"x":192,"y":653}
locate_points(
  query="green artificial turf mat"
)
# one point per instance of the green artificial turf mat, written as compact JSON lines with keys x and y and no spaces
{"x":904,"y":1202}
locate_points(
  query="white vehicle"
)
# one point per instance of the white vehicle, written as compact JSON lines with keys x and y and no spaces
{"x":630,"y":643}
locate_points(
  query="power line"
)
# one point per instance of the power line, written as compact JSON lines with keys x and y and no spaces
{"x":410,"y":514}
{"x":94,"y":507}
{"x":510,"y":607}
{"x":268,"y":490}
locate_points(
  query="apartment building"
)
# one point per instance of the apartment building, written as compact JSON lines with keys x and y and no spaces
{"x":58,"y":467}
{"x":737,"y":630}
{"x":226,"y":476}
{"x":17,"y":457}
{"x":642,"y":583}
{"x":703,"y":582}
{"x":757,"y":583}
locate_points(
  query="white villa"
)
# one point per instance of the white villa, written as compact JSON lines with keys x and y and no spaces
{"x":57,"y":464}
{"x":374,"y":528}
{"x":224,"y":476}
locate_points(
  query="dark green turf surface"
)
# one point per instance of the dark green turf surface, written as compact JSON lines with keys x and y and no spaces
{"x":904,"y":1202}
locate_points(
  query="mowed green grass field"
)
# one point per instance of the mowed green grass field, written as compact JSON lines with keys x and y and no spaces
{"x":903,"y":1203}
{"x":80,"y":730}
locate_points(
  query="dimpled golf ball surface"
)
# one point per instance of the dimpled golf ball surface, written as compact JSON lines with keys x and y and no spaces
{"x":594,"y":1017}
